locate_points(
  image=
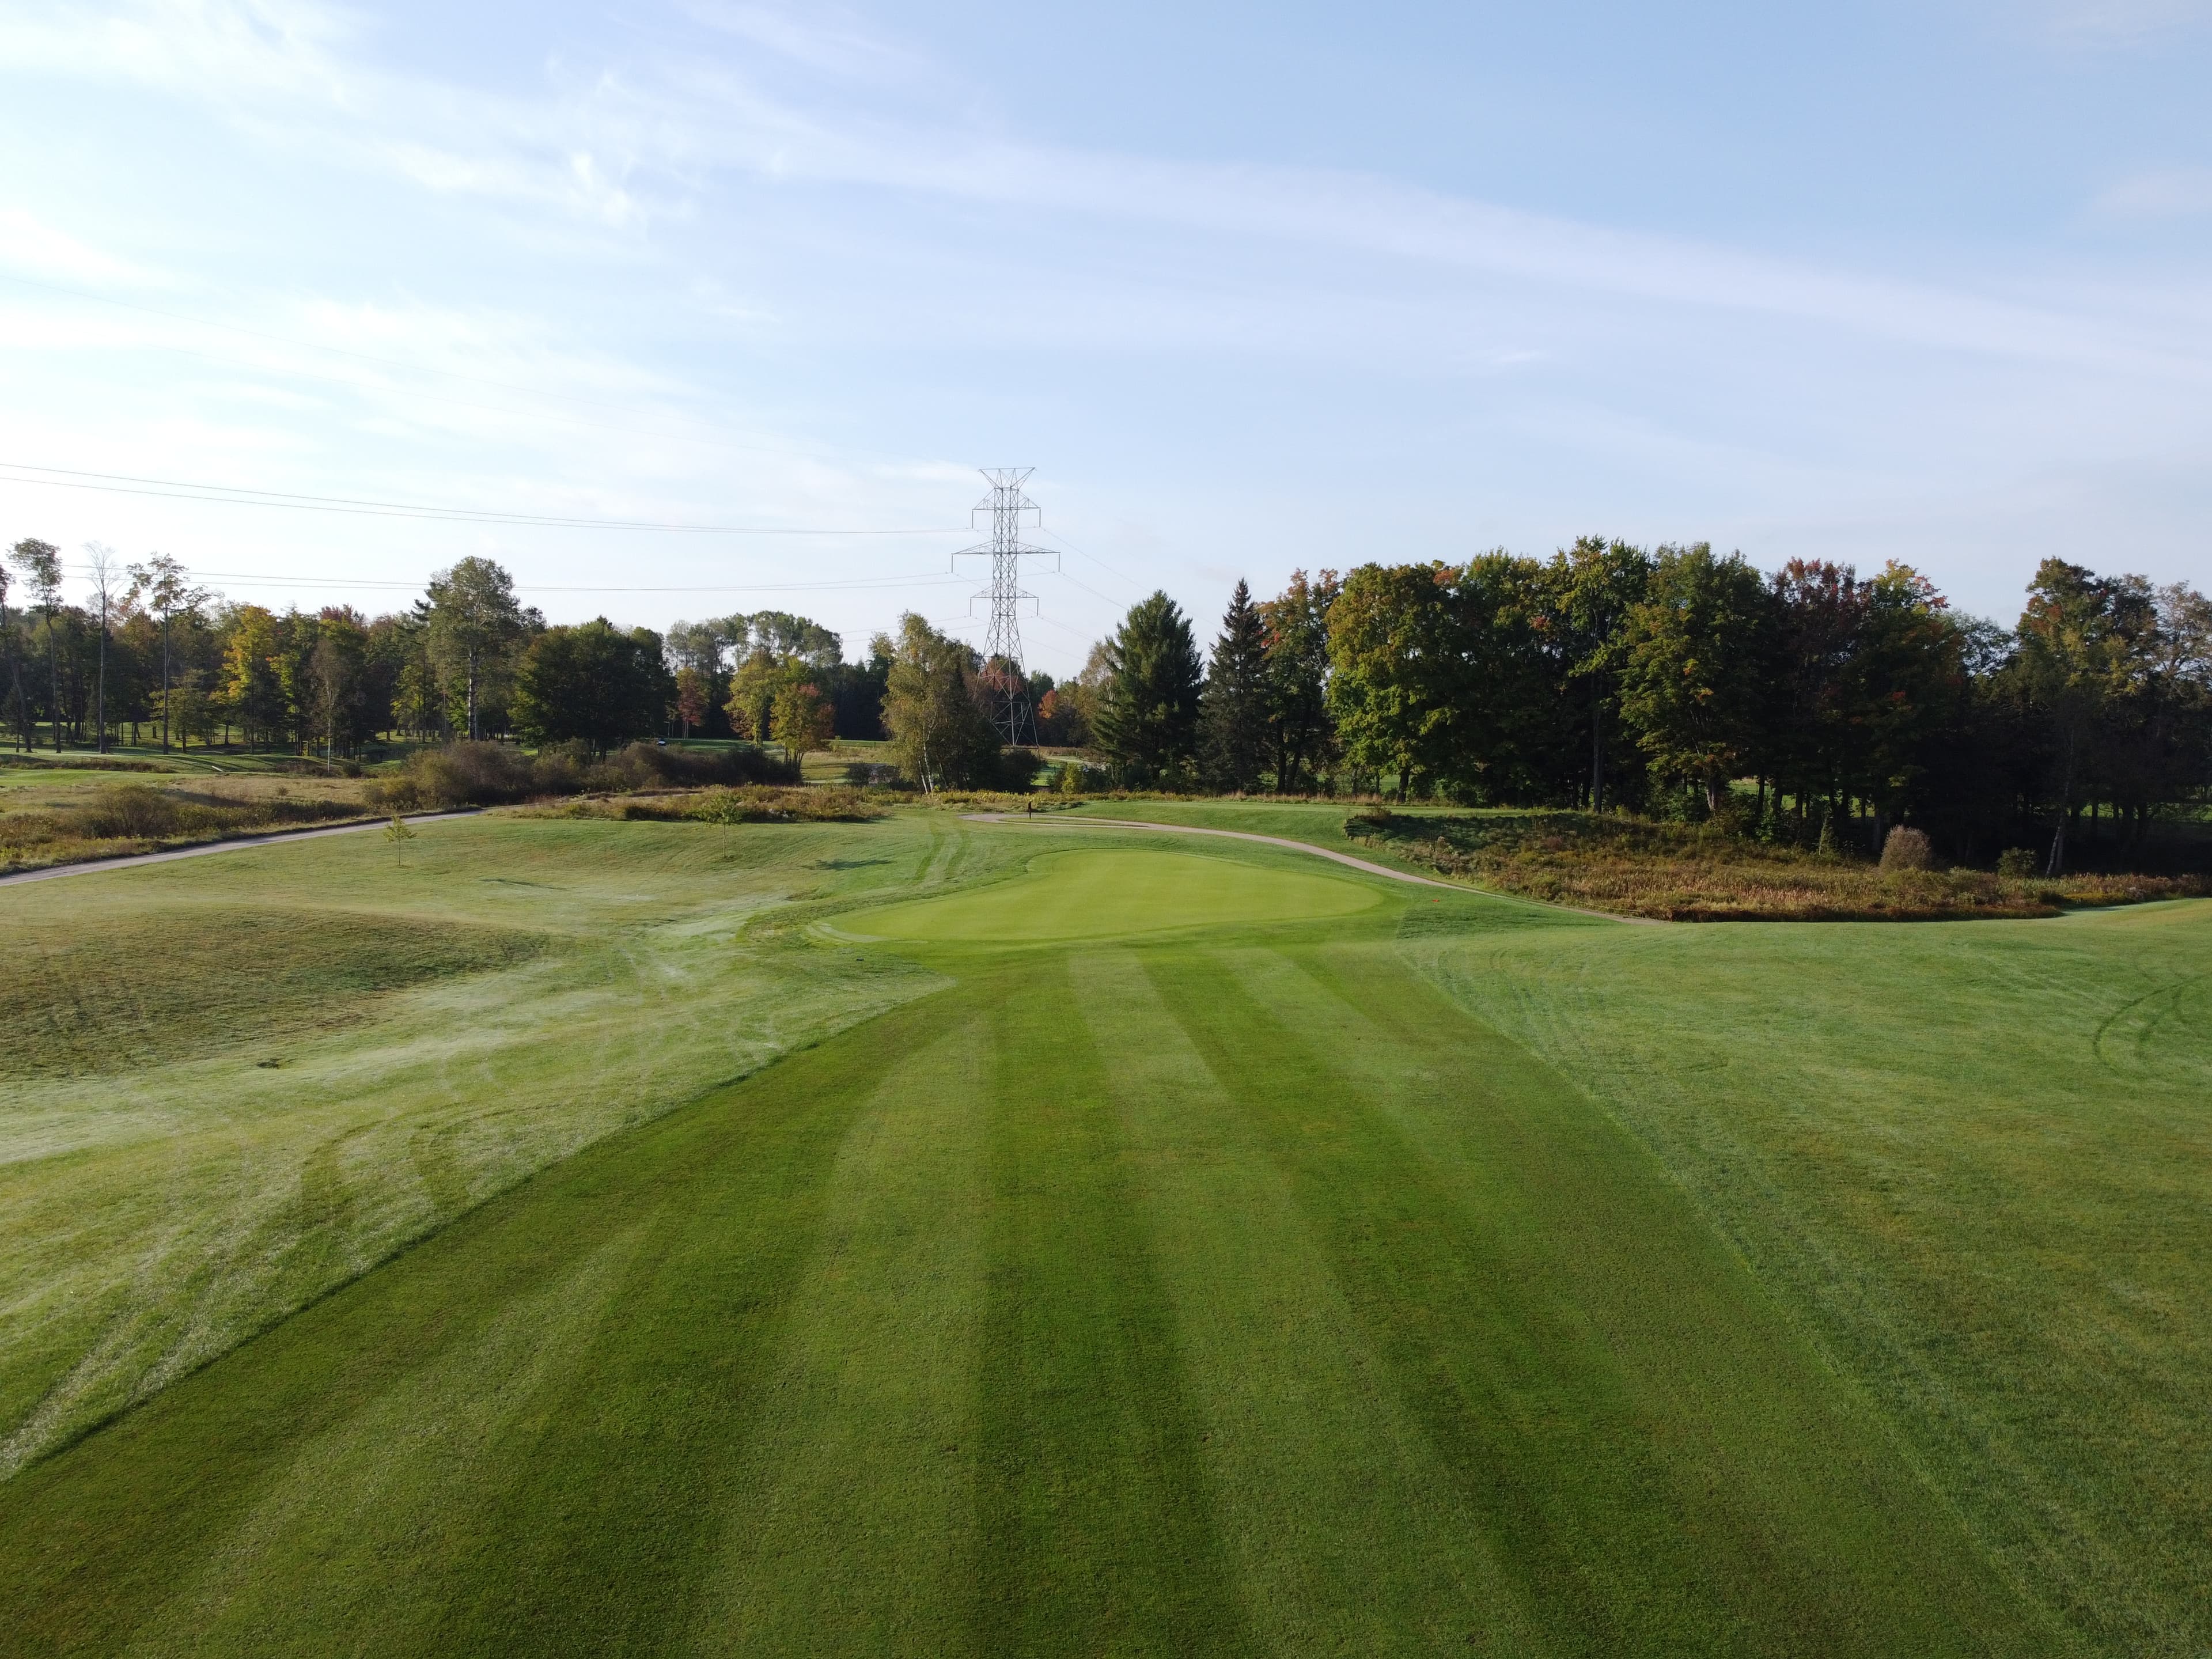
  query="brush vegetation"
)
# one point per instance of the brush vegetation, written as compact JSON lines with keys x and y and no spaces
{"x":112,"y":819}
{"x":1706,"y":872}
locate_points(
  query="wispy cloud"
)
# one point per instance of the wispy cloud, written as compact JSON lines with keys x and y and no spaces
{"x":624,"y":144}
{"x":2166,"y":193}
{"x":2122,"y":22}
{"x":32,"y":248}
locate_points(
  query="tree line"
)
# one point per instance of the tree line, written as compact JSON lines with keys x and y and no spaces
{"x":154,"y":658}
{"x":1813,"y":704}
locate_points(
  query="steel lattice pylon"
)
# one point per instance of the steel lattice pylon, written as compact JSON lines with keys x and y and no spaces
{"x":1004,"y":676}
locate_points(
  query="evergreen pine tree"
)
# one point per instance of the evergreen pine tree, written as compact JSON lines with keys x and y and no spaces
{"x":1148,"y":712}
{"x":1234,"y":707}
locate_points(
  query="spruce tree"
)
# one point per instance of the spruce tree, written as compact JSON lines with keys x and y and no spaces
{"x":1148,"y":713}
{"x":1233,"y":709}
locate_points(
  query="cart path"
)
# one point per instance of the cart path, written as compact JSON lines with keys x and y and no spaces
{"x":1063,"y":821}
{"x":93,"y":867}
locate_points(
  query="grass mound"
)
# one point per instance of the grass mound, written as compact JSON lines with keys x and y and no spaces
{"x":198,"y":979}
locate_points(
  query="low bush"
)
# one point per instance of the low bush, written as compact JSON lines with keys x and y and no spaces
{"x":1907,"y":850}
{"x":748,"y":804}
{"x":138,"y":817}
{"x":492,"y":774}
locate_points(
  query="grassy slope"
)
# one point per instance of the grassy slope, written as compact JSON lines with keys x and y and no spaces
{"x":1974,"y":1159}
{"x":1232,"y":1291}
{"x":228,"y":1083}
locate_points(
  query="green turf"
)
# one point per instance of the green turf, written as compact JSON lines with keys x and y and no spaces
{"x":1354,"y":1269}
{"x":1070,"y":896}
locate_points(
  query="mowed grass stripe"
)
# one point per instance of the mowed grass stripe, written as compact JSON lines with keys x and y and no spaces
{"x":1095,"y":1522}
{"x":1655,"y":1454}
{"x":590,"y":1515}
{"x":849,"y":1523}
{"x":1347,"y":1533}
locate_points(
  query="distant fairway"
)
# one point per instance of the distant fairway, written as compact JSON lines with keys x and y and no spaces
{"x":1189,"y":1250}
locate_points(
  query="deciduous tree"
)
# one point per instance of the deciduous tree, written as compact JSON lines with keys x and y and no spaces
{"x":939,"y":734}
{"x":169,"y":593}
{"x":693,"y":688}
{"x":804,"y":720}
{"x":41,"y":565}
{"x":476,"y":622}
{"x":1300,"y":735}
{"x":1394,"y":688}
{"x":1692,"y":687}
{"x":1597,"y":584}
{"x":591,"y":684}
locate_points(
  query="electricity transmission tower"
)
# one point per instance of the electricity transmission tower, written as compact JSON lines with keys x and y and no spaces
{"x":1004,"y":677}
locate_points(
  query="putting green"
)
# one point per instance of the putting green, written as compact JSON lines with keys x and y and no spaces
{"x":1119,"y":894}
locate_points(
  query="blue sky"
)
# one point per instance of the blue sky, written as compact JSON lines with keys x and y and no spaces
{"x":1251,"y":287}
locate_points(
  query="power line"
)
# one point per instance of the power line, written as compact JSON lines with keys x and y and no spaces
{"x":122,"y":484}
{"x":1094,"y":559}
{"x":342,"y":584}
{"x":1086,"y":588}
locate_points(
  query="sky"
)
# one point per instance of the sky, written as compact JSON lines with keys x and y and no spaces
{"x":1252,"y":288}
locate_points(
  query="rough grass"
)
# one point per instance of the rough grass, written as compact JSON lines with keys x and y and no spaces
{"x":73,"y":816}
{"x":1971,"y":1159}
{"x":196,"y":978}
{"x":1447,"y":1275}
{"x":450,"y":1015}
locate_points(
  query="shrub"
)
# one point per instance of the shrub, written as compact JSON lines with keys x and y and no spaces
{"x":491,"y":773}
{"x":2017,"y":863}
{"x":750,"y":804}
{"x":647,"y":766}
{"x":1017,"y":771}
{"x":460,"y":775}
{"x":134,"y":810}
{"x":1907,"y":850}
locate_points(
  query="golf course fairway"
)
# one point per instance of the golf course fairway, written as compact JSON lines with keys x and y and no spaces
{"x":1173,"y":1251}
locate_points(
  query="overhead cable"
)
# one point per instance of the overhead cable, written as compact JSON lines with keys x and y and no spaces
{"x":123,"y":483}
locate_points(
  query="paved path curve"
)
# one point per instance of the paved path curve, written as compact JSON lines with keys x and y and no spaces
{"x":56,"y":871}
{"x":1299,"y":847}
